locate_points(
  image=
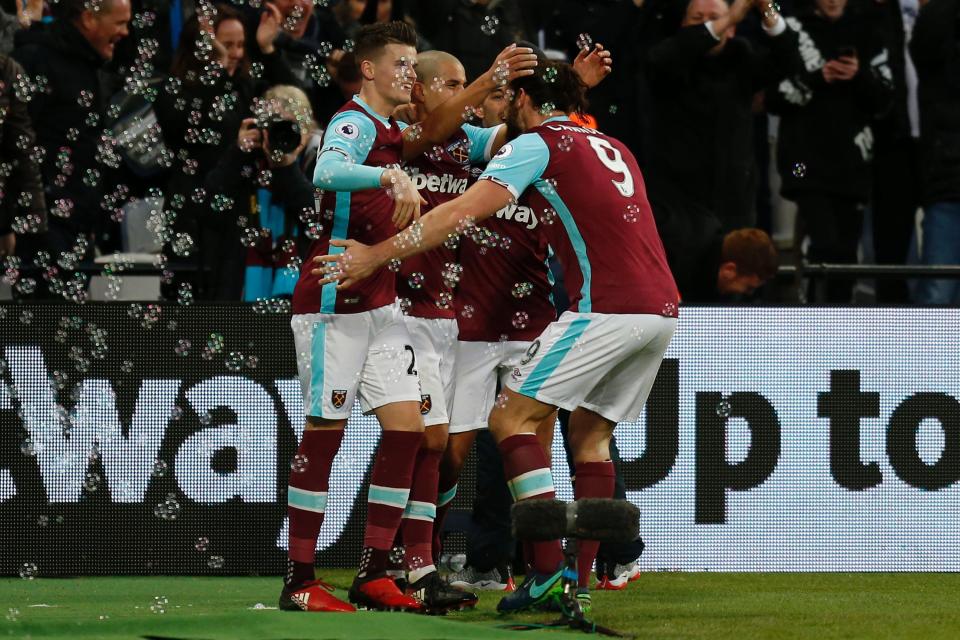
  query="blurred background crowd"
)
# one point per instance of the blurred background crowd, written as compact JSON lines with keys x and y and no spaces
{"x":179,"y":137}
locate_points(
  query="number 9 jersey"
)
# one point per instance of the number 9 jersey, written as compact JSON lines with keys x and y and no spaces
{"x":587,"y":189}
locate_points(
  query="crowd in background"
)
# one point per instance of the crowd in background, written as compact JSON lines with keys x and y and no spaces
{"x":176,"y":103}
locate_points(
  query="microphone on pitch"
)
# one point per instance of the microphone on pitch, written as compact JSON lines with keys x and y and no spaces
{"x":602,"y":519}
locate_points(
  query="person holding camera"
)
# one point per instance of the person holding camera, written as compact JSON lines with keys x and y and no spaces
{"x":256,"y":252}
{"x":825,"y":141}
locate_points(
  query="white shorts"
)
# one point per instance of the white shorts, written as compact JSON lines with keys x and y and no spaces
{"x":435,"y":343}
{"x":366,"y":356}
{"x":603,"y":362}
{"x":479,"y":366}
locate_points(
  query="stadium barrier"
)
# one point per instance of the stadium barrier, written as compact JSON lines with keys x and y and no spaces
{"x":142,"y":439}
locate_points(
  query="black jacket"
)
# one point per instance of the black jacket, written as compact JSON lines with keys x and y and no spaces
{"x":72,"y":69}
{"x":458,"y":26}
{"x":235,"y":176}
{"x":22,"y":203}
{"x":935,"y":48}
{"x":893,"y":126}
{"x":702,"y":129}
{"x":825,"y":141}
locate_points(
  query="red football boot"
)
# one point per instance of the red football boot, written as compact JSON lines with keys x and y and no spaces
{"x":315,"y":595}
{"x":381,"y":594}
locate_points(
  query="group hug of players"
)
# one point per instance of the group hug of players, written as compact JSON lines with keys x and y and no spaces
{"x":427,"y":300}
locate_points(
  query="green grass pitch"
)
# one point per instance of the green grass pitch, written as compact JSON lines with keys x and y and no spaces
{"x":712,"y":606}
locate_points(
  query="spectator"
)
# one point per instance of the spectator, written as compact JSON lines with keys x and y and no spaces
{"x":825,"y":140}
{"x":622,"y":27}
{"x":275,"y":262}
{"x":936,"y":52}
{"x":255,"y":251}
{"x":16,"y":15}
{"x":896,"y":167}
{"x":68,"y":114}
{"x":200,"y":78}
{"x":710,"y":265}
{"x":347,"y":14}
{"x":22,"y":204}
{"x":310,"y":43}
{"x":703,"y":80}
{"x":208,"y":94}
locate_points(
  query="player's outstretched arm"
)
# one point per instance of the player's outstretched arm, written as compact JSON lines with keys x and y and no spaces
{"x":512,"y":63}
{"x":336,"y":172}
{"x":359,"y":261}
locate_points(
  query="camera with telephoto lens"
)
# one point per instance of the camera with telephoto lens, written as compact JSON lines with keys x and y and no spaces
{"x":283,"y":135}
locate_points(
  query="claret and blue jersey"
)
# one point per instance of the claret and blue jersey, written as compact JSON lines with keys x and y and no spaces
{"x":440,"y":175}
{"x":605,"y":237}
{"x":354,"y":205}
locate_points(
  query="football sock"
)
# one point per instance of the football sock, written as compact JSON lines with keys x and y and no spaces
{"x":528,"y":476}
{"x":307,"y":499}
{"x":419,"y":514}
{"x":446,"y":492}
{"x":387,"y":497}
{"x":593,"y":480}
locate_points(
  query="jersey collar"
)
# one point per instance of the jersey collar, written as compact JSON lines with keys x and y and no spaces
{"x":368,"y":109}
{"x":557,"y":119}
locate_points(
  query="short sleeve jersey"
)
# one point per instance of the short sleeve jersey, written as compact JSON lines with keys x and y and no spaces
{"x":362,"y":137}
{"x":604,"y":236}
{"x":504,"y":292}
{"x":440,"y":175}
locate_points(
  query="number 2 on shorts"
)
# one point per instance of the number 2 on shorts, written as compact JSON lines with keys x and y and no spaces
{"x":411,"y":371}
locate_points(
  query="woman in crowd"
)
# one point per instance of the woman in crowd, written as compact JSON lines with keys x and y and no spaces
{"x":206,"y":97}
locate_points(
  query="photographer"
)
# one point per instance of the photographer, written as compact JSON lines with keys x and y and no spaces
{"x":264,"y":193}
{"x":826,"y":141}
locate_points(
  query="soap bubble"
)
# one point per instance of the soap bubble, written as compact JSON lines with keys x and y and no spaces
{"x":299,"y":463}
{"x":159,"y":469}
{"x":724,"y":409}
{"x":159,"y":604}
{"x":522,"y":289}
{"x":490,"y":25}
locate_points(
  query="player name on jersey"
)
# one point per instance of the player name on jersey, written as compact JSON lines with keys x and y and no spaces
{"x":605,"y":236}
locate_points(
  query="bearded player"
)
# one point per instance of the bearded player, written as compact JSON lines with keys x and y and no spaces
{"x":600,"y":358}
{"x":352,"y":343}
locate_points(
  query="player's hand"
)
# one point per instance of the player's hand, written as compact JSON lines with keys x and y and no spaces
{"x":593,"y":65}
{"x":406,"y":197}
{"x":348,"y":268}
{"x":408,"y":113}
{"x":269,"y":27}
{"x":512,"y":63}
